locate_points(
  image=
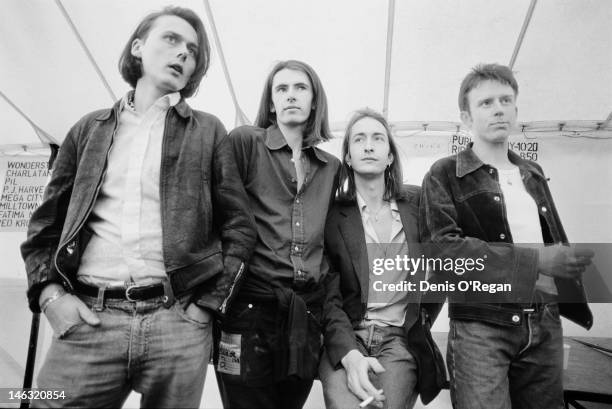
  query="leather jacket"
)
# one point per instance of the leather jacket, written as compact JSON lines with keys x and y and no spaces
{"x":463,"y":213}
{"x":204,"y":249}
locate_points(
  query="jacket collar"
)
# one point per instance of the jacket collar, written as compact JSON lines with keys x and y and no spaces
{"x":468,"y":162}
{"x":275,"y":140}
{"x":182,"y":108}
{"x":351,"y":228}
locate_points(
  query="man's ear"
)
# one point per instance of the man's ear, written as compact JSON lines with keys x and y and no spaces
{"x":391,"y":159}
{"x":347,"y":158}
{"x":466,"y":118}
{"x":137,"y":48}
{"x":272,"y":109}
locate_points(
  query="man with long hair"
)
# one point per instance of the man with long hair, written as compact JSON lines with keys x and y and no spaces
{"x":126,"y":256}
{"x":268,"y":352}
{"x":376,"y":340}
{"x":504,"y":349}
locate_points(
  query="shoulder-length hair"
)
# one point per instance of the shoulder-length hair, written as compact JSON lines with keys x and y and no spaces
{"x":347,"y":192}
{"x":317,"y":126}
{"x":130,"y":66}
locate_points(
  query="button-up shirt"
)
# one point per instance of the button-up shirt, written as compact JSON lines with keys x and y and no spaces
{"x":385,"y":307}
{"x":126,"y":245}
{"x":290,"y":222}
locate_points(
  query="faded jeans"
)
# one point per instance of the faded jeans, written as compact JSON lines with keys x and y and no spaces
{"x":142,"y":346}
{"x":502,"y":367}
{"x":398,"y":381}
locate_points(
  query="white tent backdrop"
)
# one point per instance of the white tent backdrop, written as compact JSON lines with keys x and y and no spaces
{"x":57,"y":57}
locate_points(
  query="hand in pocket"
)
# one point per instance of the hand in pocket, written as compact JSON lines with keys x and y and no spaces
{"x":68,"y":311}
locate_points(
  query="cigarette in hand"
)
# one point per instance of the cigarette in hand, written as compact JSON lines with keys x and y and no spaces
{"x":369,"y":400}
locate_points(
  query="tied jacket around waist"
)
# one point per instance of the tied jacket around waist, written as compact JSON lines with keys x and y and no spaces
{"x":463,"y":215}
{"x":203,"y":251}
{"x":348,"y":288}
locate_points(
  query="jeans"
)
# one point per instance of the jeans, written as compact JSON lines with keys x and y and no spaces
{"x":142,"y":346}
{"x":245,"y":370}
{"x":388,"y":345}
{"x":502,"y":367}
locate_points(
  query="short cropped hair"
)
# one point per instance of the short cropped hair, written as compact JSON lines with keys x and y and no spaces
{"x":317,"y":126}
{"x":130,"y":66}
{"x":347,"y":191}
{"x":481,"y":73}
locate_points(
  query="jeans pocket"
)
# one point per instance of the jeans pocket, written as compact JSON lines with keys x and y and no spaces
{"x":182,"y":313}
{"x":60,"y":325}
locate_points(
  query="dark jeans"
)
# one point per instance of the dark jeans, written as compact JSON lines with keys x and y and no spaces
{"x":388,"y":345}
{"x":247,"y":354}
{"x":502,"y":367}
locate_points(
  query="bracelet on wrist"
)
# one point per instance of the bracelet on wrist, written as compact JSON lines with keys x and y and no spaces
{"x":51,"y":299}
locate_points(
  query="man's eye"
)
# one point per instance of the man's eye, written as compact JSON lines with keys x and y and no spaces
{"x":171,"y":38}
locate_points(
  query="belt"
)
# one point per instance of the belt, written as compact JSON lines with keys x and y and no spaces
{"x":130,"y":293}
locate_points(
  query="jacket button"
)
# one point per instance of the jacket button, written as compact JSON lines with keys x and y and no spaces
{"x":496,"y":198}
{"x":515,"y":318}
{"x":490,"y":170}
{"x":502,"y":236}
{"x":544,"y":210}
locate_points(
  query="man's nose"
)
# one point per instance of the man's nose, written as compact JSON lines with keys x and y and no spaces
{"x":182,"y":51}
{"x":498,"y":109}
{"x":368,"y":147}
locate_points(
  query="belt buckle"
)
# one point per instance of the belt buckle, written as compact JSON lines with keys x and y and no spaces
{"x":127,"y":292}
{"x":529,"y":310}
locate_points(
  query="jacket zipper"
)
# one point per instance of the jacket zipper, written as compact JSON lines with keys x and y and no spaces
{"x":223,"y":307}
{"x":90,"y":207}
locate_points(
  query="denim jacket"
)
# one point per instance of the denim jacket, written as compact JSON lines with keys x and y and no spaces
{"x":463,"y":214}
{"x":203,"y":250}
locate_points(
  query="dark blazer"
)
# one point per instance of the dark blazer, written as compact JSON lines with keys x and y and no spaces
{"x":347,"y":296}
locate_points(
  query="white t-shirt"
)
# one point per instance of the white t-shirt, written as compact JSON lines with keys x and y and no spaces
{"x":523,"y":218}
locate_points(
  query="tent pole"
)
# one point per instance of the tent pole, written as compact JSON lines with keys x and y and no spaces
{"x":241,"y":118}
{"x":390,"y":20}
{"x":519,"y":40}
{"x":87,"y":52}
{"x":42,"y":135}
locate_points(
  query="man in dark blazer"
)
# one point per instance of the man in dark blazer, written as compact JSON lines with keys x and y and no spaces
{"x":373,"y":322}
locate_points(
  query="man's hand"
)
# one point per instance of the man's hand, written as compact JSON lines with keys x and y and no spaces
{"x":357,"y":367}
{"x":563,"y":262}
{"x":66,"y":311}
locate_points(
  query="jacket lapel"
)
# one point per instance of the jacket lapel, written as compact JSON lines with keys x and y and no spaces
{"x":353,"y":235}
{"x":409,"y":213}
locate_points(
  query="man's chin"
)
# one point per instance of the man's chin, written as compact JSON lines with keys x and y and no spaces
{"x":294,"y":123}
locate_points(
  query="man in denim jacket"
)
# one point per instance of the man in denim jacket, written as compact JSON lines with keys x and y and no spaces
{"x":505,"y":349}
{"x":125,"y":256}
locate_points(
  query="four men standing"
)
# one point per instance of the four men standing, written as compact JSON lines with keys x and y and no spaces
{"x":155,"y":221}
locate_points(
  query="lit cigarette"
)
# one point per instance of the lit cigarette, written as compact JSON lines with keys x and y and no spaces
{"x":369,"y":400}
{"x":366,"y":402}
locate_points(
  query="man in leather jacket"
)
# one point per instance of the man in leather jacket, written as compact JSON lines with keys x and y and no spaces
{"x":142,"y":229}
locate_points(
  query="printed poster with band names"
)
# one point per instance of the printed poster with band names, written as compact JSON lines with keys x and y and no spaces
{"x":22,"y":185}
